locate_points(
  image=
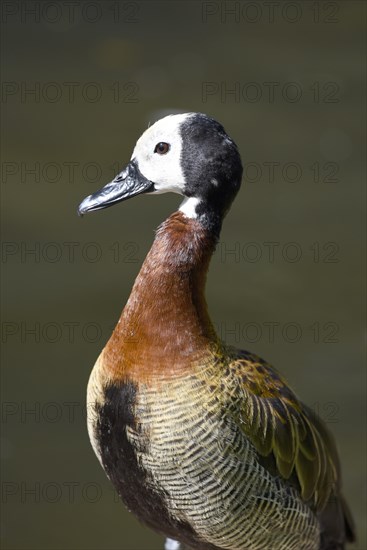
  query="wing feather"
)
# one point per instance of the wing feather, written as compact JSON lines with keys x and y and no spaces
{"x":277,"y":423}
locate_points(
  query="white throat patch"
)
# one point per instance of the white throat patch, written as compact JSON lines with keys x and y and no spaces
{"x":188,"y":207}
{"x":164,"y":171}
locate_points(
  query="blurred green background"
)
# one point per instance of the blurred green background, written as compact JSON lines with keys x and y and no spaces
{"x":285,"y":81}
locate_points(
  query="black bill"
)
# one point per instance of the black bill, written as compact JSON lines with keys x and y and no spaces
{"x":128,"y":183}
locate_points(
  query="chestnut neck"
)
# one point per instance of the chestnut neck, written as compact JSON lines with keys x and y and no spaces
{"x":165,"y":326}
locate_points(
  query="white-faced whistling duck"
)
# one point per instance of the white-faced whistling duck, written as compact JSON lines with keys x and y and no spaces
{"x":205,"y":443}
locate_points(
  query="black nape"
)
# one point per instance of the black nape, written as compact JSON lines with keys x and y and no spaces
{"x":212,"y":168}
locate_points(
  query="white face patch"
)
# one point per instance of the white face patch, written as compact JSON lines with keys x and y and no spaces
{"x":164,"y":171}
{"x":188,"y":207}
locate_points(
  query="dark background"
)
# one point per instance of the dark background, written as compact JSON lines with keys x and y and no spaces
{"x":285,"y":281}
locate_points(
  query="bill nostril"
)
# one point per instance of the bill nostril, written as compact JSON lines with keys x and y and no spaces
{"x":122,"y":175}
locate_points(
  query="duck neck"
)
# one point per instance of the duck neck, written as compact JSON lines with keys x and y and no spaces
{"x":165,"y":325}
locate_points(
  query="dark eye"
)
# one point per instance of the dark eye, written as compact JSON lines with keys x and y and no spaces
{"x":161,"y":148}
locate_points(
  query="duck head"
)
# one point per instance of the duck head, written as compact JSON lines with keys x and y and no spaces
{"x":189,"y":154}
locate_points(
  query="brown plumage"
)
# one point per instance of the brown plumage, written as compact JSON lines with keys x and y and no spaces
{"x":165,"y":323}
{"x":205,"y":443}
